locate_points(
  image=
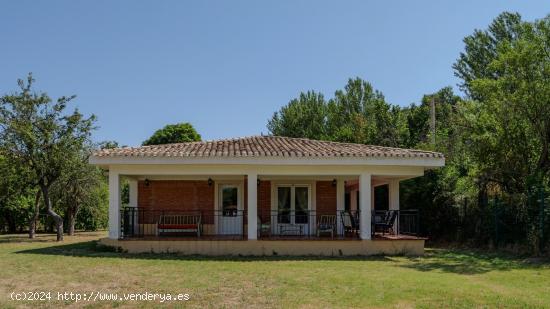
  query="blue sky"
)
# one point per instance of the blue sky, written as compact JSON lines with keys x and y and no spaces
{"x":226,"y":66}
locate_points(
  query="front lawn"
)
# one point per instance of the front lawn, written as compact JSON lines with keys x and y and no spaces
{"x":442,"y":278}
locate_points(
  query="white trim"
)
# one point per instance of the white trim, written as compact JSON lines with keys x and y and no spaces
{"x":362,"y":161}
{"x":266,"y":170}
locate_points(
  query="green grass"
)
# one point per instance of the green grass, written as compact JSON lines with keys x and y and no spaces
{"x":442,"y":278}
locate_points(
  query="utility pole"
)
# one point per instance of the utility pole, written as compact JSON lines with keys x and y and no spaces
{"x":432,"y":119}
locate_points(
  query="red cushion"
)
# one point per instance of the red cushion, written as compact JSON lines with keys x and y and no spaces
{"x":178,"y":226}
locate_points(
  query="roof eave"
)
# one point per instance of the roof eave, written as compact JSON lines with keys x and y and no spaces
{"x":427,"y":162}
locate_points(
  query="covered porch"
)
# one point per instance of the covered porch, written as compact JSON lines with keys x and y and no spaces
{"x":287,"y":207}
{"x":263,"y":194}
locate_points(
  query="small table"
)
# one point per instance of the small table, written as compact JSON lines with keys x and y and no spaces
{"x":291,"y":229}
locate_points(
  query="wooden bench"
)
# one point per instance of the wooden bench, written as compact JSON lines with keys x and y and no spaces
{"x":179,"y":223}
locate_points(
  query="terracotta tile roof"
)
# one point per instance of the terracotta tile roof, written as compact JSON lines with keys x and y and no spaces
{"x":265,"y":146}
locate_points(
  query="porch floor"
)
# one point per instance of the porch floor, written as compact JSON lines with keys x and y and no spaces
{"x":287,"y":238}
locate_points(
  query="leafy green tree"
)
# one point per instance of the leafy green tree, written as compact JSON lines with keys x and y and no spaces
{"x":77,"y":187}
{"x":360,"y":114}
{"x":509,"y":125}
{"x":356,"y":114}
{"x":305,"y":116}
{"x":436,"y":194}
{"x":94,"y":211}
{"x":16,"y":192}
{"x":174,"y":133}
{"x":481,"y":48}
{"x":506,"y":71}
{"x":40,"y":134}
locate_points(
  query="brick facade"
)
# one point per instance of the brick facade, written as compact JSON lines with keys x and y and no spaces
{"x":326,"y":198}
{"x":264,"y":200}
{"x":192,"y":195}
{"x":181,"y":195}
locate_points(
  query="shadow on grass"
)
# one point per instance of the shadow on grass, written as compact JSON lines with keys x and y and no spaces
{"x":466,"y":262}
{"x":94,"y":249}
{"x":470,"y":262}
{"x":40,"y":237}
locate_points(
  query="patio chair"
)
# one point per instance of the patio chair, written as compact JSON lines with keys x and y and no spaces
{"x":351,"y":225}
{"x":326,"y":224}
{"x":386,"y":225}
{"x":263,"y":227}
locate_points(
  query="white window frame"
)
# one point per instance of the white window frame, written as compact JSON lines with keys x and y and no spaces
{"x":275,"y":204}
{"x":218,"y":200}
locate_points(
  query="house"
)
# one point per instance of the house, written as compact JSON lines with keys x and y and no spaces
{"x":263,"y":195}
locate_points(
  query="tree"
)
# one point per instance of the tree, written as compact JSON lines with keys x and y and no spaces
{"x":360,"y":114}
{"x":40,"y":134}
{"x":77,"y":186}
{"x":481,"y":48}
{"x":356,"y":114}
{"x":305,"y":116}
{"x":506,"y":72}
{"x":12,"y":187}
{"x":174,"y":133}
{"x":508,"y":124}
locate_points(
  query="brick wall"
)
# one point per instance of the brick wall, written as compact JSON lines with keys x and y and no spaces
{"x":182,"y":195}
{"x":190,"y":195}
{"x":264,"y":200}
{"x":326,"y":198}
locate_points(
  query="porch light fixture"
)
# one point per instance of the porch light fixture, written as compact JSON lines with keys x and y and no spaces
{"x":258,"y":182}
{"x":146,"y":182}
{"x":334,"y":182}
{"x":210,"y":182}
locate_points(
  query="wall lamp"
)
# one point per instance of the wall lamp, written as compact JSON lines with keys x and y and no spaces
{"x":147,"y":182}
{"x":334,"y":182}
{"x":258,"y":182}
{"x":210,"y":181}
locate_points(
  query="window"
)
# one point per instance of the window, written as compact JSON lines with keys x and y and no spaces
{"x":230,"y":201}
{"x":284,"y":205}
{"x":293,"y":204}
{"x":301,"y":205}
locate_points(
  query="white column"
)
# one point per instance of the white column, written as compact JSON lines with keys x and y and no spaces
{"x":114,"y":205}
{"x":393,"y":188}
{"x":133,"y":191}
{"x":371,"y":196}
{"x":252,"y":206}
{"x":340,"y":205}
{"x":133,"y":202}
{"x":365,"y":205}
{"x":394,"y":194}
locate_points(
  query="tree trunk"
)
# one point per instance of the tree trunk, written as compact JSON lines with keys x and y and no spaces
{"x":32,"y":222}
{"x":72,"y":220}
{"x":12,"y":227}
{"x":57,"y":218}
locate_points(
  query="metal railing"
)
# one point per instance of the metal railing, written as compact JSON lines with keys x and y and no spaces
{"x":139,"y":222}
{"x":307,"y":223}
{"x":397,"y":222}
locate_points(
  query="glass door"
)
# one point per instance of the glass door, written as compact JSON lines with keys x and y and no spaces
{"x":293,"y":204}
{"x":230,"y":214}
